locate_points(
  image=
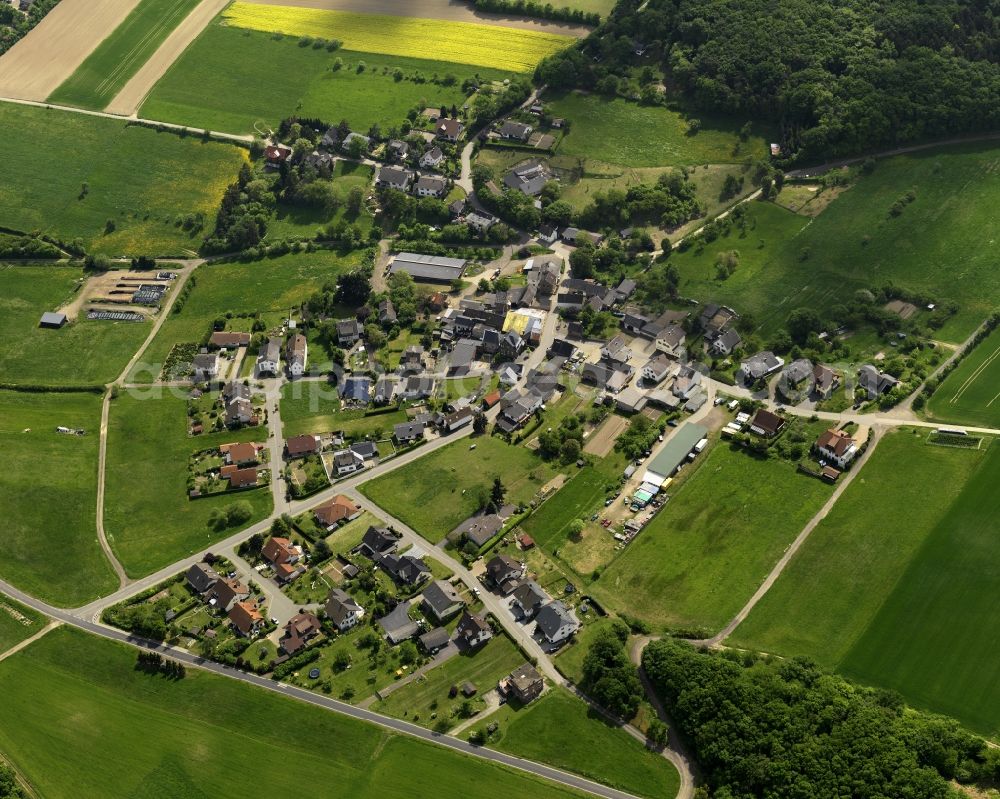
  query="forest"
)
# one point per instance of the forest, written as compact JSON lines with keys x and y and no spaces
{"x":785,"y":728}
{"x":836,"y":77}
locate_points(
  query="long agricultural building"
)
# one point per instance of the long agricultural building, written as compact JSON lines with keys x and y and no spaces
{"x":432,"y":268}
{"x":674,"y":452}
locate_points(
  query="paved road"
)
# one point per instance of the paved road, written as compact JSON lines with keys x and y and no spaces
{"x":276,"y":444}
{"x":361,"y":714}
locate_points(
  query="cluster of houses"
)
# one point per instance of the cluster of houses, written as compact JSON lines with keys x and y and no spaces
{"x":296,"y":352}
{"x":240,"y":466}
{"x":554,"y":621}
{"x":229,"y":596}
{"x":801,"y":379}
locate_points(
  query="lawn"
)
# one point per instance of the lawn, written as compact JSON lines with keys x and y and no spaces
{"x":713,"y":543}
{"x":82,"y":353}
{"x":940,"y":244}
{"x":969,"y":394}
{"x":435,"y":493}
{"x":49,"y":485}
{"x":295,"y":221}
{"x":308,"y":407}
{"x":835,"y":585}
{"x":205,"y":736}
{"x":602,"y":7}
{"x":490,"y":46}
{"x":936,"y":638}
{"x":425,"y":700}
{"x":201,"y":89}
{"x":656,"y":136}
{"x":106,"y":70}
{"x":149,"y":519}
{"x":17,"y":623}
{"x":271,"y":287}
{"x":570,"y":658}
{"x":561,"y":730}
{"x":119,"y":189}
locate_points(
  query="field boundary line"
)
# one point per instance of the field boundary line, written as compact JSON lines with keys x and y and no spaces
{"x":49,"y":627}
{"x":987,"y":361}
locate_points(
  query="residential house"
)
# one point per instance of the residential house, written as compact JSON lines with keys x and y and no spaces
{"x":323,"y":163}
{"x":441,"y":600}
{"x":408,"y":432}
{"x":433,"y":641}
{"x":349,"y":332}
{"x":528,"y":178}
{"x":511,"y":344}
{"x":716,"y":320}
{"x":556,"y":622}
{"x":528,"y":597}
{"x":276,"y":155}
{"x":796,"y":380}
{"x":575,"y":236}
{"x":545,"y":275}
{"x":449,"y":129}
{"x":202,"y":578}
{"x":246,"y":618}
{"x":377,"y":541}
{"x":837,"y":447}
{"x":524,"y":684}
{"x":336,"y":511}
{"x":240,"y":478}
{"x":237,"y":404}
{"x":285,"y":557}
{"x":657,"y":368}
{"x":205,"y":366}
{"x":874,"y":382}
{"x":431,"y":186}
{"x":296,"y":351}
{"x":413,"y":359}
{"x":347,"y":461}
{"x":517,"y":413}
{"x":561,"y":349}
{"x":457,"y":420}
{"x":242,"y":454}
{"x":405,"y":570}
{"x":397,"y":149}
{"x":432,"y":159}
{"x":516,"y":131}
{"x":298,"y":632}
{"x":331,"y":139}
{"x":480,"y":529}
{"x":610,"y":377}
{"x":352,"y":137}
{"x":727,"y":343}
{"x":505,"y":573}
{"x":473,"y":630}
{"x":269,"y":360}
{"x":386,"y":313}
{"x":301,"y":446}
{"x":222,"y":339}
{"x":625,"y":289}
{"x":226,"y":593}
{"x":393,"y":177}
{"x":616,"y":351}
{"x":397,"y":624}
{"x":547,"y":234}
{"x":760,"y":365}
{"x":480,"y":221}
{"x":418,"y":387}
{"x":825,"y":381}
{"x":343,"y":610}
{"x":356,"y":389}
{"x":366,"y":449}
{"x":630,"y":400}
{"x":671,"y":340}
{"x":767,"y":424}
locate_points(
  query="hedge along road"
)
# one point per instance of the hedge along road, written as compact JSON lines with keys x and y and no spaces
{"x":393,"y":725}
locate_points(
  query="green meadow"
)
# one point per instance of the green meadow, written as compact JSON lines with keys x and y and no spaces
{"x":278,"y":77}
{"x":49,"y":486}
{"x":148,"y":518}
{"x":106,"y":70}
{"x":970,"y":394}
{"x":717,"y":538}
{"x":207,"y":735}
{"x":119,"y":189}
{"x":17,"y":623}
{"x":940,"y":244}
{"x":81,"y":353}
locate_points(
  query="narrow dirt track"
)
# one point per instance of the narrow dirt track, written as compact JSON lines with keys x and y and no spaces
{"x":38,"y":64}
{"x":141,"y":84}
{"x":452,"y":10}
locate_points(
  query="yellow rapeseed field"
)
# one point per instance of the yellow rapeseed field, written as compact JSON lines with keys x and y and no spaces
{"x":439,"y":40}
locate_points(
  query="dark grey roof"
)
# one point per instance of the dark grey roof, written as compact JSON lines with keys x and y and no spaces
{"x":441,"y":597}
{"x":435,"y":639}
{"x":397,"y":623}
{"x":553,"y":616}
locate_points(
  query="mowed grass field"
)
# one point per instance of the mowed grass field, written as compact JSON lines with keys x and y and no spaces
{"x":278,"y":78}
{"x":936,"y":638}
{"x":106,"y":70}
{"x":625,"y":133}
{"x":82,"y":353}
{"x":835,"y":585}
{"x":143,"y":181}
{"x":561,"y":730}
{"x":49,"y":490}
{"x":207,"y":735}
{"x":941,"y":244}
{"x":437,"y":492}
{"x":971,"y":393}
{"x":713,"y":543}
{"x":148,"y":518}
{"x":270,"y":287}
{"x":490,"y":46}
{"x":17,"y":623}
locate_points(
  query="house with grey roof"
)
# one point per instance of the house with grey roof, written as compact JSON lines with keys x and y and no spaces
{"x":473,"y":630}
{"x":343,"y":610}
{"x":405,"y":570}
{"x":556,"y":622}
{"x":408,"y":432}
{"x":430,"y":186}
{"x":479,"y":529}
{"x":441,"y":600}
{"x":726,"y":343}
{"x":528,"y":597}
{"x":528,"y":178}
{"x":760,"y":365}
{"x":397,"y":624}
{"x":874,"y":382}
{"x":393,"y":177}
